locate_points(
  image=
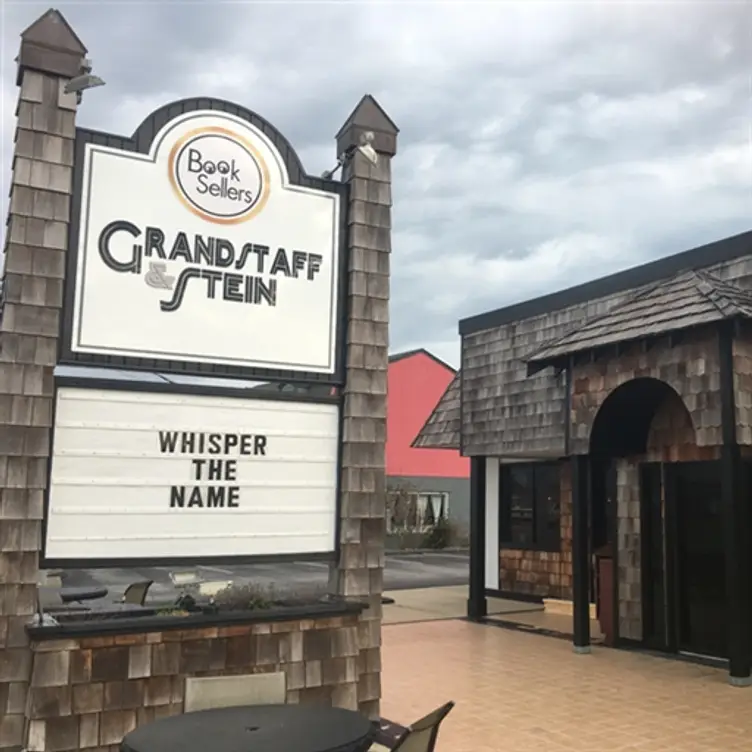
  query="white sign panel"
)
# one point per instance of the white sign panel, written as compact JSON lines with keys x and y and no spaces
{"x":155,"y":476}
{"x":203,"y":251}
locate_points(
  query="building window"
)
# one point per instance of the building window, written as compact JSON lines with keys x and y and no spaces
{"x":529,"y":504}
{"x":415,"y":512}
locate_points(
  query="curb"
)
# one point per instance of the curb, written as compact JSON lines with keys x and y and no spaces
{"x":448,"y":550}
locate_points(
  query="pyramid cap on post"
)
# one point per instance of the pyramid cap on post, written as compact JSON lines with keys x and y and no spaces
{"x":50,"y":45}
{"x":368,"y":116}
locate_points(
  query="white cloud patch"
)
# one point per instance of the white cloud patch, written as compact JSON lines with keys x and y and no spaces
{"x":541,"y":144}
{"x":517,"y":279}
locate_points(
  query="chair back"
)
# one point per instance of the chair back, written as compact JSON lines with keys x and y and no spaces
{"x":209,"y":692}
{"x":421,"y":736}
{"x":136,"y":592}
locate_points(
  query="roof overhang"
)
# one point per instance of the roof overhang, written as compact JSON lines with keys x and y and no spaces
{"x":611,"y":351}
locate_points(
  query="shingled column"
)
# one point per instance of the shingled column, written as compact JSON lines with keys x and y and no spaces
{"x":36,"y":242}
{"x":360,"y":570}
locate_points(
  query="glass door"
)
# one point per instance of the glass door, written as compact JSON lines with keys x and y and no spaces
{"x":701,"y":619}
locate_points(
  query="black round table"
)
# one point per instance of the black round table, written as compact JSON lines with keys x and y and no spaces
{"x":256,"y":728}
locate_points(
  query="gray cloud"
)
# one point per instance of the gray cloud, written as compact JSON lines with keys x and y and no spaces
{"x":541,"y":144}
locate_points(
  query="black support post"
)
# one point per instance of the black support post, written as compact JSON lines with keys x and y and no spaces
{"x":581,"y":552}
{"x":476,"y":604}
{"x":736,"y":522}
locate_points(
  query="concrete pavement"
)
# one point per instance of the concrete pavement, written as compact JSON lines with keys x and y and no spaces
{"x":430,"y":604}
{"x":524,"y":693}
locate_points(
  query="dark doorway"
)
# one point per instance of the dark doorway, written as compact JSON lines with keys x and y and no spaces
{"x":602,"y":515}
{"x":695,"y":544}
{"x":603,"y":496}
{"x":603,"y":571}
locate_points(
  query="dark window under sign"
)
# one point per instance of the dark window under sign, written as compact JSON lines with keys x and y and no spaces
{"x":530,"y":507}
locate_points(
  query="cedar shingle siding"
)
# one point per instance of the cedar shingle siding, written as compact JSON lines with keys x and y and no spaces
{"x":506,"y":412}
{"x":442,"y":430}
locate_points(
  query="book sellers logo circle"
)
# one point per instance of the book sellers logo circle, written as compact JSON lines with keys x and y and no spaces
{"x":219,"y":175}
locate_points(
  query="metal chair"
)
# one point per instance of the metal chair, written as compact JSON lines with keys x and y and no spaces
{"x":136,"y":592}
{"x":420,"y":736}
{"x":209,"y":692}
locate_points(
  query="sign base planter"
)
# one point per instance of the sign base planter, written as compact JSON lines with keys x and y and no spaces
{"x":87,"y":624}
{"x":124,"y":673}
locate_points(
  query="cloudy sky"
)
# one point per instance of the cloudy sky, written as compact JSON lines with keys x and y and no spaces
{"x":541,"y":144}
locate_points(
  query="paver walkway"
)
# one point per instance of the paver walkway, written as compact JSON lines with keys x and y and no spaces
{"x":518,"y":692}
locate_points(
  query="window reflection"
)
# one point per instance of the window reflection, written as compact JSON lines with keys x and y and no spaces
{"x":530,"y":504}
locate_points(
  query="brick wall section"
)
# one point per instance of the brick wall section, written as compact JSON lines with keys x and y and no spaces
{"x":86,"y":694}
{"x":543,"y":573}
{"x":692,"y":369}
{"x":743,"y":384}
{"x":360,"y":571}
{"x":672,"y":436}
{"x":36,"y":240}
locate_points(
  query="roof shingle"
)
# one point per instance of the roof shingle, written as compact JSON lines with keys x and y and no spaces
{"x":689,"y":299}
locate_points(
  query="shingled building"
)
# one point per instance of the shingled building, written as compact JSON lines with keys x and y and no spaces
{"x":609,"y":428}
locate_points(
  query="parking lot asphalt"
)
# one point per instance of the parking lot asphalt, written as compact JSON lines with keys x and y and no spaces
{"x":403,"y":571}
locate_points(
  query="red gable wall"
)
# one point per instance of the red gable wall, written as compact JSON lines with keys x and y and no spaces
{"x":416,"y":384}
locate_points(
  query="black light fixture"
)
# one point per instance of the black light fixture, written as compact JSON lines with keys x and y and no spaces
{"x":85,"y":80}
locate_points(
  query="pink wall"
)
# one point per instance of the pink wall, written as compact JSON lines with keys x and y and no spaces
{"x":416,"y":384}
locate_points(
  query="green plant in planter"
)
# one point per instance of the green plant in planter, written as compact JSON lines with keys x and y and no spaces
{"x":172,"y":612}
{"x":186,"y":602}
{"x":248,"y":597}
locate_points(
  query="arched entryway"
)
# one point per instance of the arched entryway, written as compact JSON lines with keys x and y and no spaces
{"x":644,"y":419}
{"x":656,"y":508}
{"x":622,"y":425}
